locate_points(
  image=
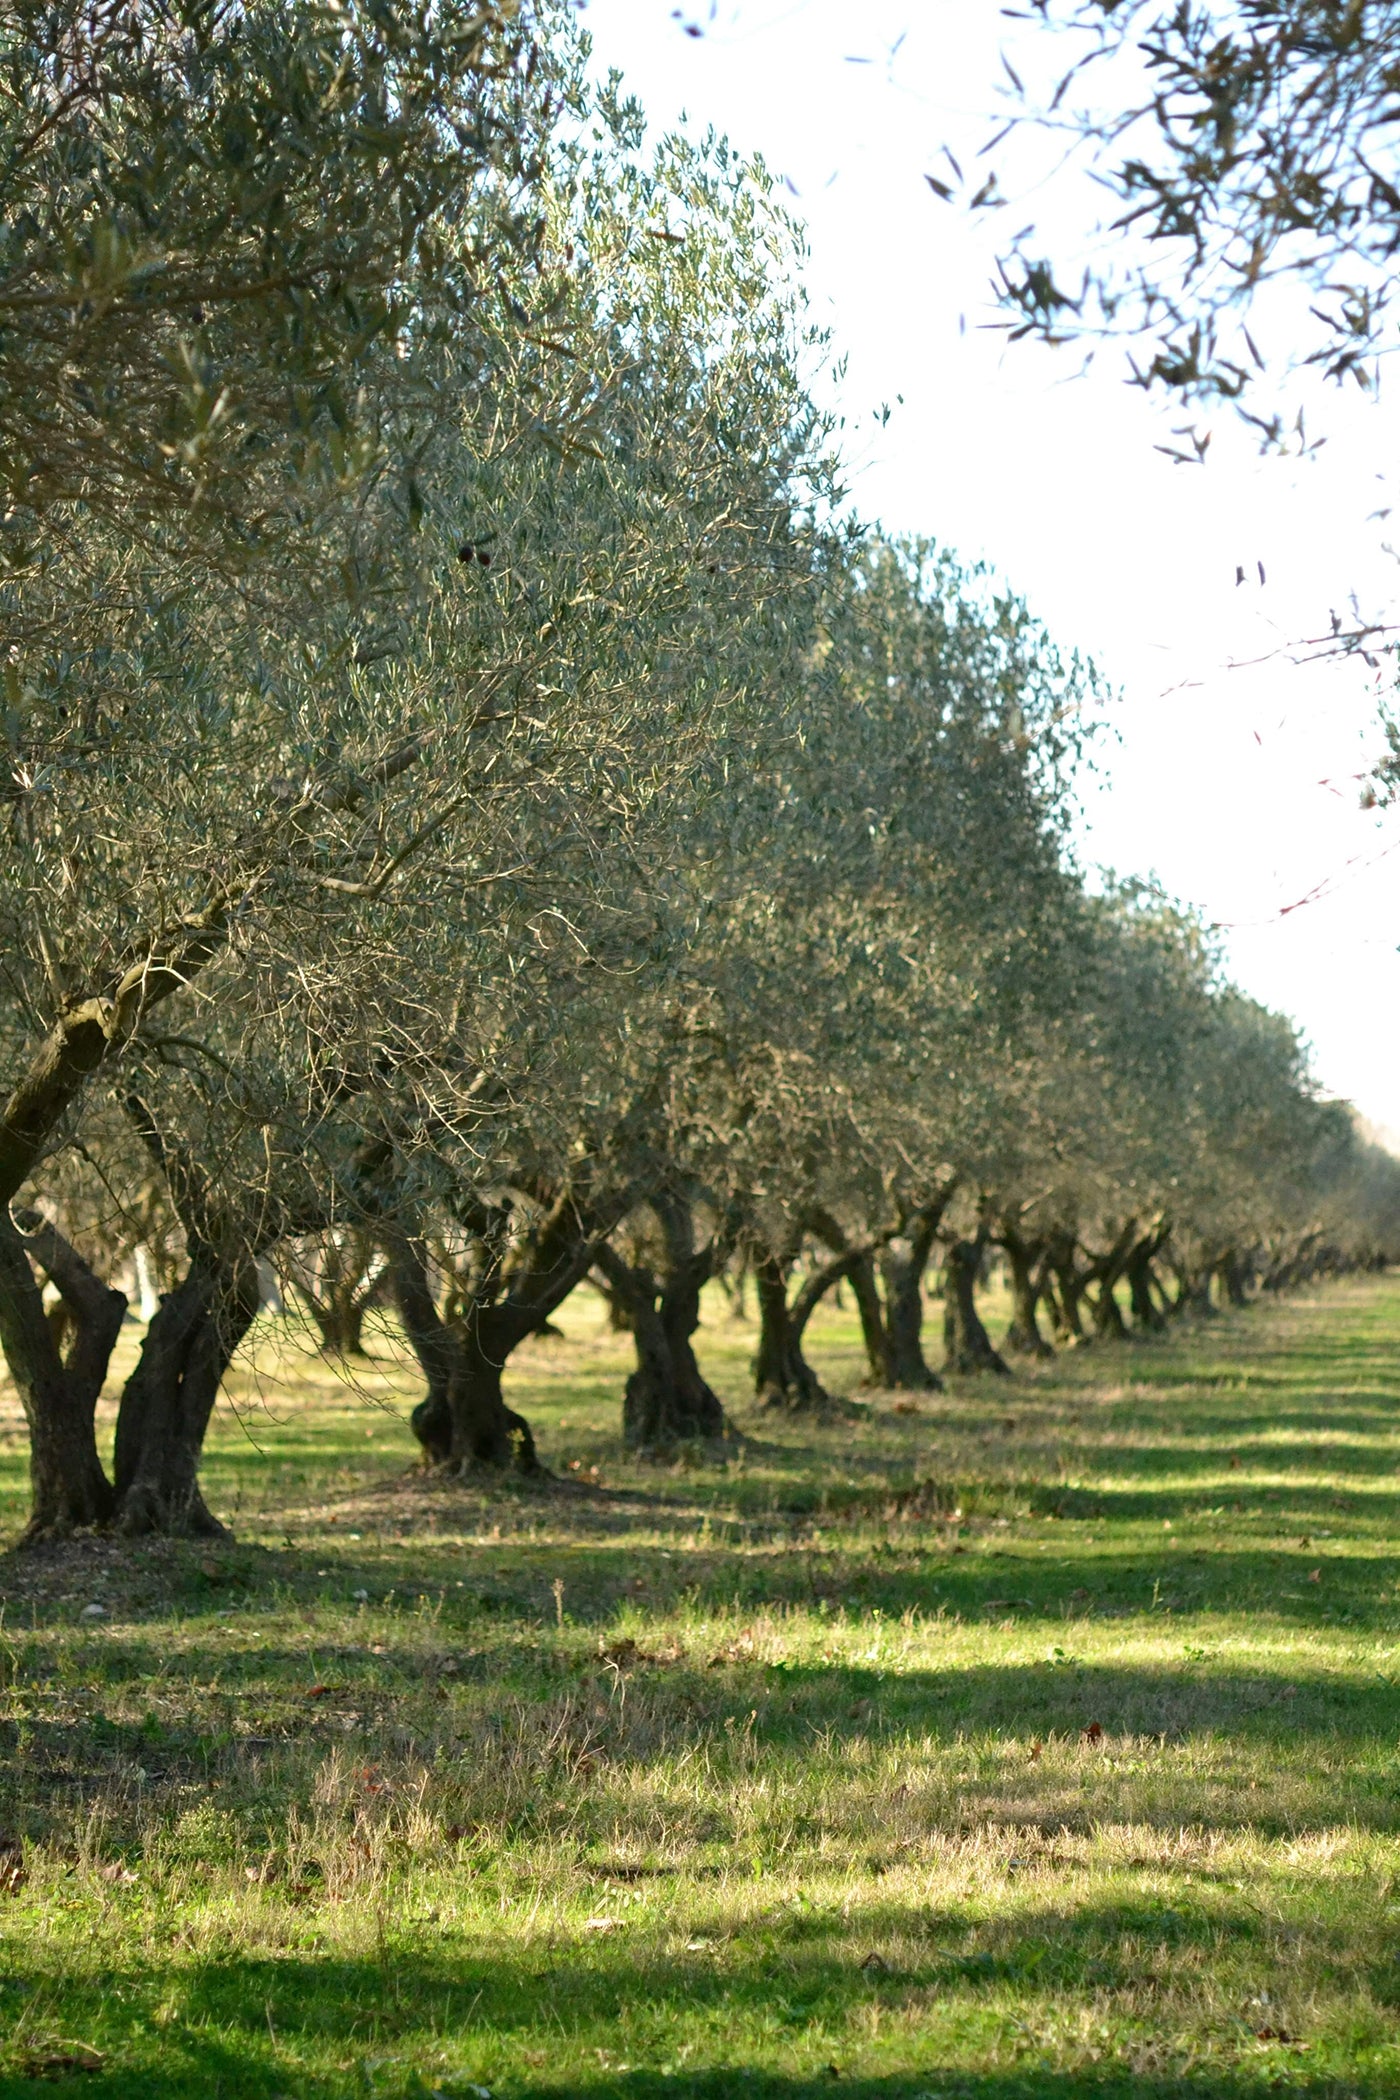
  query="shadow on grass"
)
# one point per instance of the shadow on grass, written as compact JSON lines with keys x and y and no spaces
{"x":245,"y":2026}
{"x":922,"y":1567}
{"x":1187,"y":1743}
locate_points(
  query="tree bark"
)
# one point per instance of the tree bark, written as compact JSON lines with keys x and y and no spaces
{"x":1198,"y":1297}
{"x":1070,"y":1286}
{"x":337,"y":1287}
{"x":782,"y":1375}
{"x":1109,"y":1324}
{"x":170,"y":1396}
{"x":667,"y":1400}
{"x":872,"y":1321}
{"x":190,"y":1342}
{"x":1103,"y":1273}
{"x":967,"y":1345}
{"x":903,"y":1261}
{"x":1232,"y":1273}
{"x":1147,"y":1317}
{"x":59,"y":1392}
{"x":463,"y":1421}
{"x":1023,"y":1257}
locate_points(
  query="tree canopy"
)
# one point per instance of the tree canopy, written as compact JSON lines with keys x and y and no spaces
{"x":481,"y":811}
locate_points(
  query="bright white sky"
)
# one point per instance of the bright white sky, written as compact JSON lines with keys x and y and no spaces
{"x":1233,"y":780}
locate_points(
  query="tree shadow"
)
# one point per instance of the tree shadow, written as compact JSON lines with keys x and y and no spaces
{"x":805,"y":1981}
{"x":1327,"y":1737}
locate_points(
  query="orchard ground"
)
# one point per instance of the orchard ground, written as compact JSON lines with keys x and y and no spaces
{"x":1036,"y":1739}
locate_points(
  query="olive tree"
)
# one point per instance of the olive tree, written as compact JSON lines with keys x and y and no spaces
{"x":870,"y":918}
{"x":1247,"y":147}
{"x":349,"y":832}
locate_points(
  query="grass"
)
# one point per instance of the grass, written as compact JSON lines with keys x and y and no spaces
{"x":1039,"y":1742}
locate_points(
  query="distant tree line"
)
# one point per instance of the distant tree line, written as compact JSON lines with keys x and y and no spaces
{"x":480,"y":814}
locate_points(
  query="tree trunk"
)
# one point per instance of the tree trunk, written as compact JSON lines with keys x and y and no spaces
{"x":170,"y":1396}
{"x":903,"y":1261}
{"x":1231,"y":1272}
{"x":1104,"y":1272}
{"x":1109,"y":1323}
{"x":1070,"y":1287}
{"x":967,"y":1345}
{"x":667,"y":1400}
{"x":1050,"y":1299}
{"x":782,"y":1375}
{"x":59,"y":1393}
{"x":485,"y":1432}
{"x":1196,"y":1296}
{"x":340,"y":1322}
{"x":1147,"y":1318}
{"x":336,"y":1281}
{"x":872,"y":1321}
{"x":1022,"y":1256}
{"x":464,"y":1421}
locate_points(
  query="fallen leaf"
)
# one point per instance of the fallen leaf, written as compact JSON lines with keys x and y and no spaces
{"x":601,"y":1924}
{"x":1036,"y":1749}
{"x":1316,"y":1575}
{"x":320,"y":1691}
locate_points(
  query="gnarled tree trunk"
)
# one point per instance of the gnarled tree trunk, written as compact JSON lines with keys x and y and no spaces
{"x":189,"y":1344}
{"x":170,"y":1396}
{"x":523,"y":1277}
{"x":893,"y":1329}
{"x":866,"y":1292}
{"x":1233,"y":1275}
{"x":967,"y":1344}
{"x":1104,"y":1272}
{"x":1023,"y":1259}
{"x":58,"y":1389}
{"x":463,"y":1421}
{"x":1071,"y":1284}
{"x":336,"y":1282}
{"x":668,"y":1400}
{"x":782,"y":1375}
{"x":903,"y":1261}
{"x":1148,"y":1317}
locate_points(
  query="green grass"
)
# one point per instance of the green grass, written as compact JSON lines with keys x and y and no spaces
{"x":1040,"y":1742}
